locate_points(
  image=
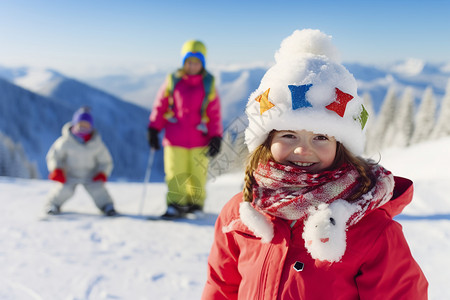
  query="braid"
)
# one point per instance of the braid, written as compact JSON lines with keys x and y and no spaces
{"x":261,"y":154}
{"x":248,"y":184}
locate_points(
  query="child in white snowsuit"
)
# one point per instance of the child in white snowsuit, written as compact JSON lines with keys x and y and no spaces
{"x":79,"y":156}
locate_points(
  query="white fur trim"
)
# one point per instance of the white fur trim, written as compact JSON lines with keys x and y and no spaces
{"x":228,"y":228}
{"x":256,"y":222}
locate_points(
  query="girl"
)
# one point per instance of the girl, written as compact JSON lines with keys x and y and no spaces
{"x":315,"y":219}
{"x":188,"y":108}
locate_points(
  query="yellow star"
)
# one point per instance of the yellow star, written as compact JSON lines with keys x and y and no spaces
{"x":264,"y":103}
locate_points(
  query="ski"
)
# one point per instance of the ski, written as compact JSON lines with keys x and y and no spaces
{"x":185,"y":217}
{"x":74,"y":216}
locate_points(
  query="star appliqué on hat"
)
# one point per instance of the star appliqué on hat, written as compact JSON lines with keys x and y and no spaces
{"x":264,"y":103}
{"x":298,"y":94}
{"x":340,"y":103}
{"x":362,"y":117}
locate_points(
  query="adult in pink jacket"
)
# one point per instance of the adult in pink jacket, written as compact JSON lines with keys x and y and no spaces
{"x":314,"y":220}
{"x":187,"y":107}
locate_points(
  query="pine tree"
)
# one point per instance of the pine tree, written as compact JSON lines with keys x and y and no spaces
{"x":383,"y":128}
{"x":4,"y":156}
{"x":404,"y":121}
{"x":13,"y":161}
{"x":442,"y":127}
{"x":425,"y":117}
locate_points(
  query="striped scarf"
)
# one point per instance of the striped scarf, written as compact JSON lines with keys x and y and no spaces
{"x":289,"y":192}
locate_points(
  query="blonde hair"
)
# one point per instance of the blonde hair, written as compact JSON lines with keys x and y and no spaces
{"x":262,"y":154}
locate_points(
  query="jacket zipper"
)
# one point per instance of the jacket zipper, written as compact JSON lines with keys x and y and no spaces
{"x":263,"y":274}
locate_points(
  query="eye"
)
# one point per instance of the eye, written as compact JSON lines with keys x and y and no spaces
{"x":288,"y":136}
{"x":321,"y":137}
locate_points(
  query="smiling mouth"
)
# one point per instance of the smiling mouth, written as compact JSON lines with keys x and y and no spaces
{"x":302,"y":164}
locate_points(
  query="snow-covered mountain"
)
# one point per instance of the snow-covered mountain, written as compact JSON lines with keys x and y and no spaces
{"x":31,"y":120}
{"x":52,"y":97}
{"x":412,"y":73}
{"x":234,"y":85}
{"x":237,"y":82}
{"x":34,"y":119}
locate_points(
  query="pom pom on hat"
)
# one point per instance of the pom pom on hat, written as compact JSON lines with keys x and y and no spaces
{"x":193,"y":48}
{"x":307,"y":42}
{"x":307,"y":89}
{"x":82,"y":114}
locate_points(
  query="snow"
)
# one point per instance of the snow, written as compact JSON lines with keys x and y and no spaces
{"x":83,"y":255}
{"x":410,"y":67}
{"x":36,"y":79}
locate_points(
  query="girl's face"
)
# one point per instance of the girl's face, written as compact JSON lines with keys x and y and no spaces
{"x":192,"y":66}
{"x":83,"y":127}
{"x":304,"y":149}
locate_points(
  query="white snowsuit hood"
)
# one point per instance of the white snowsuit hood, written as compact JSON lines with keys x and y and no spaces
{"x":79,"y":160}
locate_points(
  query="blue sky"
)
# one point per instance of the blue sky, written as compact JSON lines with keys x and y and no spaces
{"x":93,"y":37}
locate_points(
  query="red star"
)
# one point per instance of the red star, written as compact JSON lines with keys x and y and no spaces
{"x":340,"y":103}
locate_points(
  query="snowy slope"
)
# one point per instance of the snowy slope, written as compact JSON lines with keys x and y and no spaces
{"x":84,"y":256}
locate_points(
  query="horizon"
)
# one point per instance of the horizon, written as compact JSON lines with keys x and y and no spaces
{"x":92,"y":39}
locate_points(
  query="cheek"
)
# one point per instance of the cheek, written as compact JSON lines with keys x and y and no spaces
{"x":327,"y":156}
{"x":279,"y":152}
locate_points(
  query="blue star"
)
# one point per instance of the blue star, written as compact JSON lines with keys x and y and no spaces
{"x":298,"y":94}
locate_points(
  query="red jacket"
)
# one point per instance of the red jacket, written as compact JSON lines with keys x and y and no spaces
{"x":188,"y":96}
{"x":377,"y":263}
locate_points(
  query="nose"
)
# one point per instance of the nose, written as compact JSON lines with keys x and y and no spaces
{"x":301,"y":148}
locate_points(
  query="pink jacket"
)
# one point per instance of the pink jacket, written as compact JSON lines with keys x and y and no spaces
{"x":188,"y":96}
{"x":377,"y":263}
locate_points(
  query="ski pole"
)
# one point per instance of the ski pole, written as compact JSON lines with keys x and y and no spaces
{"x":148,"y":172}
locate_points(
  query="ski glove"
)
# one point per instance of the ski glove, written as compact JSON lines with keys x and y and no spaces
{"x":214,"y":146}
{"x":100,"y":177}
{"x":153,"y":140}
{"x":57,"y":175}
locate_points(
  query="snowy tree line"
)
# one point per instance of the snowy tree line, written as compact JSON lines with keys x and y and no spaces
{"x":13,"y":161}
{"x":398,"y":124}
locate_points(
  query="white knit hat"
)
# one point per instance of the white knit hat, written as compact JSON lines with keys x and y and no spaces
{"x":308,"y":89}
